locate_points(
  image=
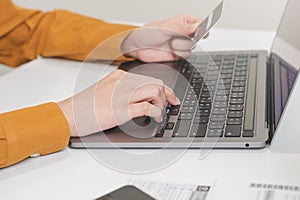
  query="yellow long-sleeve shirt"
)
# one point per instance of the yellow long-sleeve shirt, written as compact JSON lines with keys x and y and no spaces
{"x":24,"y":34}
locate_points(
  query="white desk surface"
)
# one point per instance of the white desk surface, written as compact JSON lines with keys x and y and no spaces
{"x":75,"y":174}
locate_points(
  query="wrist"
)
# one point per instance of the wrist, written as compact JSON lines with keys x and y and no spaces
{"x":67,"y":109}
{"x":131,"y":44}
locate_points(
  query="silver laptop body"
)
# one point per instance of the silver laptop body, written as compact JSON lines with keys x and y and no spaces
{"x":229,"y":100}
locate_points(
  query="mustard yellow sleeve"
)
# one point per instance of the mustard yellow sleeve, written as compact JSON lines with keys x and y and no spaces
{"x":41,"y":129}
{"x":68,"y":35}
{"x":25,"y":34}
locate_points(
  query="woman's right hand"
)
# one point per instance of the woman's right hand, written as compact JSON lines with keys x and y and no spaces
{"x":115,"y":100}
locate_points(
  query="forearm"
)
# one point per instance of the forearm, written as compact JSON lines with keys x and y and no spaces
{"x":68,"y":35}
{"x":59,"y":34}
{"x":41,"y":129}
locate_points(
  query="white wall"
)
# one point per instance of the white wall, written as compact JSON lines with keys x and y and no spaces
{"x":243,"y":14}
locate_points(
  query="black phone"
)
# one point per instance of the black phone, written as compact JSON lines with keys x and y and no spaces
{"x":127,"y":192}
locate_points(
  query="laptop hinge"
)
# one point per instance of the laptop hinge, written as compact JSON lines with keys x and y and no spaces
{"x":270,"y":97}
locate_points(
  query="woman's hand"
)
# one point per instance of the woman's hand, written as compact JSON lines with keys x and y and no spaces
{"x":164,"y":40}
{"x":115,"y":100}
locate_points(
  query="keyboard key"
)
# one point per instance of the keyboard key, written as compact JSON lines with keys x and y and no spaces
{"x":189,"y":97}
{"x":238,"y":89}
{"x":227,"y":71}
{"x":221,"y":98}
{"x":160,"y":133}
{"x":169,"y":125}
{"x":216,"y":125}
{"x":205,"y":100}
{"x":242,"y":56}
{"x":229,"y":57}
{"x":213,"y":67}
{"x":198,"y":130}
{"x":223,"y":92}
{"x":188,"y":109}
{"x":233,"y":131}
{"x":218,"y":118}
{"x":189,"y":103}
{"x":212,"y":73}
{"x":238,"y":84}
{"x":248,"y":134}
{"x":211,"y":78}
{"x":204,"y":106}
{"x":196,"y":92}
{"x":238,"y":95}
{"x":239,"y":78}
{"x":200,"y":120}
{"x":215,"y":133}
{"x":174,"y":110}
{"x":196,"y":85}
{"x":203,"y":113}
{"x":237,"y":107}
{"x":220,"y":104}
{"x":240,"y":73}
{"x":207,"y":94}
{"x":223,"y":86}
{"x":241,"y":68}
{"x":187,"y":71}
{"x":219,"y":111}
{"x":217,"y":57}
{"x":193,"y":92}
{"x":181,"y":128}
{"x":236,"y":101}
{"x":226,"y":76}
{"x":197,"y":75}
{"x":235,"y":114}
{"x":186,"y":116}
{"x":228,"y":66}
{"x":197,"y":78}
{"x":225,"y":81}
{"x":211,"y":82}
{"x":211,"y":88}
{"x":234,"y":121}
{"x":229,"y":61}
{"x":241,"y":61}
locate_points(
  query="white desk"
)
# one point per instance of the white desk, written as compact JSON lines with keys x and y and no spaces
{"x":75,"y":174}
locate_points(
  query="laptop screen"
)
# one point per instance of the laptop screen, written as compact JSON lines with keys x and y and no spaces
{"x":286,"y":56}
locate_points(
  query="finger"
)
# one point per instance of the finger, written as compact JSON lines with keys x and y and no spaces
{"x":182,"y":43}
{"x":181,"y":54}
{"x":187,"y":24}
{"x":171,"y":96}
{"x":191,"y":19}
{"x":153,"y":93}
{"x":156,"y":55}
{"x":189,"y":28}
{"x":145,"y":109}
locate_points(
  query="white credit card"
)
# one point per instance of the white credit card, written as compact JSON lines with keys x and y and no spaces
{"x":208,"y":23}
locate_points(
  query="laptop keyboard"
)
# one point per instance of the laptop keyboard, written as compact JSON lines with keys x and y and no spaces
{"x":215,"y":103}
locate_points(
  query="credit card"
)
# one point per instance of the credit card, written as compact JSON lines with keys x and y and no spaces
{"x":208,"y":23}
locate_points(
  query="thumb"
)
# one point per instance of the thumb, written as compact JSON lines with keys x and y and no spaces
{"x":191,"y":28}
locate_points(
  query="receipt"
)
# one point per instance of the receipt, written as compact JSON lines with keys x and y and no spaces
{"x":172,"y":191}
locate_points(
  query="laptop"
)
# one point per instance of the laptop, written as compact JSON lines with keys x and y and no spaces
{"x":230,"y":99}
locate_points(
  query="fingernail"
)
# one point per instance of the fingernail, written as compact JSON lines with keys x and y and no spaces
{"x":177,"y":101}
{"x":160,"y":119}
